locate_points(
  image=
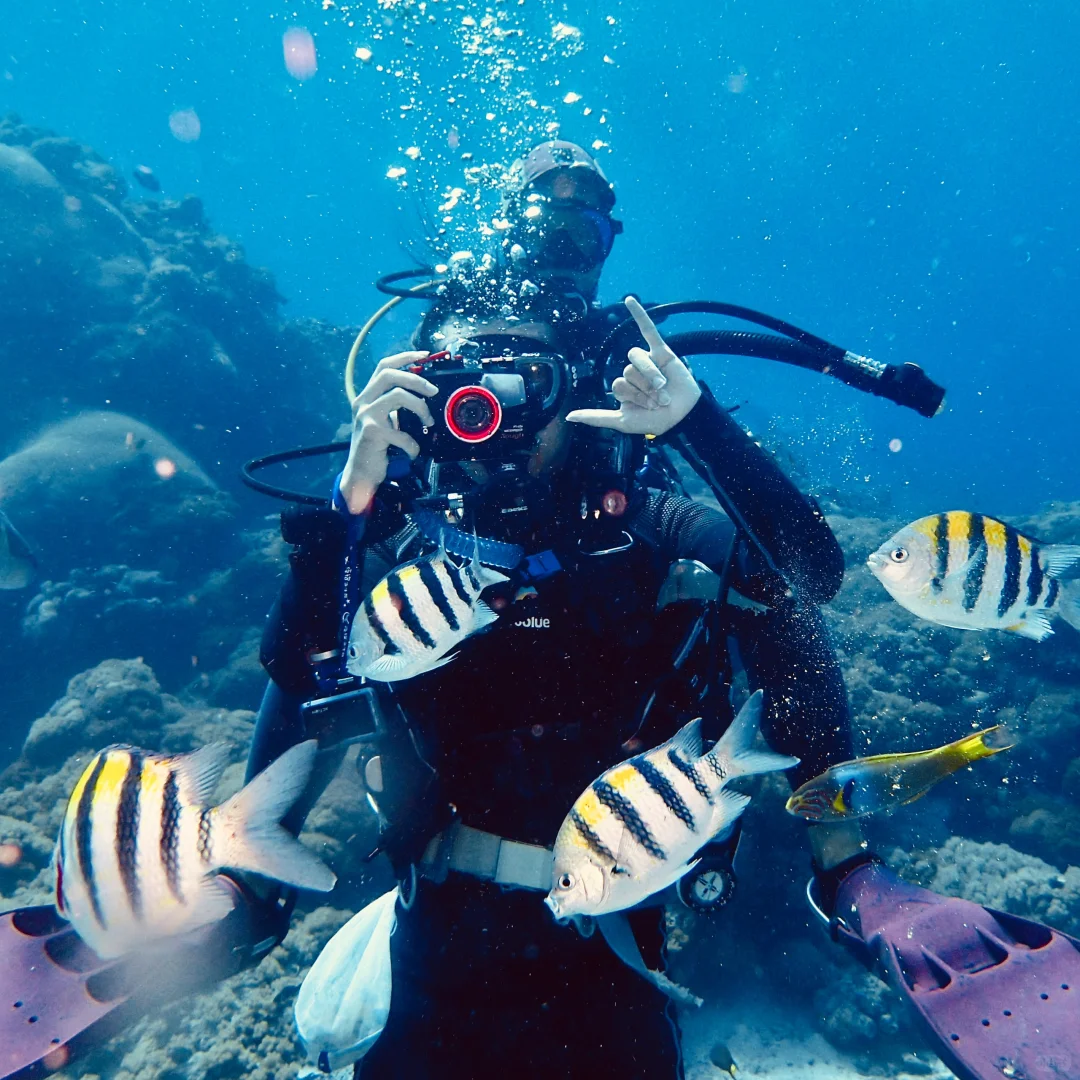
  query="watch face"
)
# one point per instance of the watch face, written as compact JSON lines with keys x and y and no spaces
{"x":710,"y":886}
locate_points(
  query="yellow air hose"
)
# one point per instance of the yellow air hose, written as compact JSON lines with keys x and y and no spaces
{"x":354,"y":352}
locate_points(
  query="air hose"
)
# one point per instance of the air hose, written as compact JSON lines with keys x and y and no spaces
{"x":905,"y":384}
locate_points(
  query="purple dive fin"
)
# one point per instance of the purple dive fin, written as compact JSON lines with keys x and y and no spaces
{"x":47,"y":1008}
{"x":58,"y":998}
{"x":997,"y":995}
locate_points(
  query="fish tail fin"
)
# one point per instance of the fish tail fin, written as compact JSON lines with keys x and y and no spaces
{"x":974,"y":747}
{"x":735,"y":747}
{"x":246,"y":830}
{"x":1061,"y":560}
{"x":1069,"y":605}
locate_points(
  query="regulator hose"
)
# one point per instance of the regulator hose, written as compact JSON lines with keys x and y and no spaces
{"x":248,"y":470}
{"x":904,"y":384}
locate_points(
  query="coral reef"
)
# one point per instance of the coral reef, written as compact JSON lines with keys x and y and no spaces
{"x":110,"y":299}
{"x":137,"y":342}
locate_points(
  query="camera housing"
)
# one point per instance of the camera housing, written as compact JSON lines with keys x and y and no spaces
{"x":488,"y":407}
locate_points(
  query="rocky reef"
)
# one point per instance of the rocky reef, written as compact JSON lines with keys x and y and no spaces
{"x":144,"y":360}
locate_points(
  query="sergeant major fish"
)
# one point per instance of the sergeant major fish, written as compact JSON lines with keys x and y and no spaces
{"x":855,"y":789}
{"x":416,"y":615}
{"x":976,"y":573}
{"x":634,"y":830}
{"x":139,"y":850}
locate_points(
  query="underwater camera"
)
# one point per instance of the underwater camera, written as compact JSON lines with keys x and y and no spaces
{"x":488,"y":407}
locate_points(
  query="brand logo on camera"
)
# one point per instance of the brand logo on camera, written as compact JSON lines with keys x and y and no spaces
{"x":534,"y":623}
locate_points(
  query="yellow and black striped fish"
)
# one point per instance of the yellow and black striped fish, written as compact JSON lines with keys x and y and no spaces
{"x":976,"y":573}
{"x":416,"y":615}
{"x":139,"y":849}
{"x":634,"y":830}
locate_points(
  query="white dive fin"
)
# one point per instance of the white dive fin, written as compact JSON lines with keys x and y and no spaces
{"x":1061,"y":560}
{"x":246,"y":834}
{"x":686,"y":742}
{"x":734,"y":753}
{"x":1034,"y":625}
{"x":198,"y":773}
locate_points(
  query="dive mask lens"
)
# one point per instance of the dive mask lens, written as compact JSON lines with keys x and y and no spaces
{"x":543,"y":379}
{"x":571,"y":236}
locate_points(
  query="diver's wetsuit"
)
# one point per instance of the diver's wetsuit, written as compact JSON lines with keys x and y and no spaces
{"x":530,"y":713}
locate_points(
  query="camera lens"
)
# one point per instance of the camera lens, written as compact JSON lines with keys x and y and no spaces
{"x":473,"y":414}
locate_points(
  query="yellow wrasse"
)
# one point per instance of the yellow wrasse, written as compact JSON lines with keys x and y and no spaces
{"x":139,"y":848}
{"x":869,"y":785}
{"x":976,"y":573}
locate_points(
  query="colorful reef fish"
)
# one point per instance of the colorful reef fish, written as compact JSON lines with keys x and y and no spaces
{"x":973,"y":572}
{"x":139,"y":849}
{"x":635,"y":829}
{"x":416,"y":615}
{"x":868,"y":785}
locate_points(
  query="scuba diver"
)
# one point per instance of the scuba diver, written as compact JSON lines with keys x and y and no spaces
{"x":527,"y":436}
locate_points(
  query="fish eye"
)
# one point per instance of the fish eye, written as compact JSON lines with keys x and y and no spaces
{"x":566,"y":881}
{"x":898,"y":555}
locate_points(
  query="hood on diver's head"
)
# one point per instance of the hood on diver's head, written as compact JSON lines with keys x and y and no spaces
{"x":560,"y":204}
{"x":565,"y":171}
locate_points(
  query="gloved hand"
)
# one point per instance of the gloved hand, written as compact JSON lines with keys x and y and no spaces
{"x":655,"y":390}
{"x":375,"y":428}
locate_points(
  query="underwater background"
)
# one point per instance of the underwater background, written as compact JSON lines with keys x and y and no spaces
{"x":897,"y":177}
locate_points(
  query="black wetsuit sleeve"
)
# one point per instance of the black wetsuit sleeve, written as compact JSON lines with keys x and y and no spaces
{"x":305,"y":618}
{"x":787,"y":529}
{"x":788,"y":652}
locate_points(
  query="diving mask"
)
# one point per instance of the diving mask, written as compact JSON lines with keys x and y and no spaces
{"x":563,"y":235}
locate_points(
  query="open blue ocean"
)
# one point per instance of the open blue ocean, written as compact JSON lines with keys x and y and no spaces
{"x":196,"y":200}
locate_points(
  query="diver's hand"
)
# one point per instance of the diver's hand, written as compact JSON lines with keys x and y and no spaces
{"x":655,"y":390}
{"x":375,"y":428}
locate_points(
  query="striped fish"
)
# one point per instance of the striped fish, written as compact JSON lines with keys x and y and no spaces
{"x":137,"y":858}
{"x":976,"y":573}
{"x":635,"y":830}
{"x":416,"y":615}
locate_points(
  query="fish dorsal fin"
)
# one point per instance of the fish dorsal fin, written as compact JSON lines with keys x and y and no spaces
{"x":1061,"y":560}
{"x":198,"y":773}
{"x":686,"y":742}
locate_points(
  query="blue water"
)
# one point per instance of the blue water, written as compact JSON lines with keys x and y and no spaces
{"x":897,"y":177}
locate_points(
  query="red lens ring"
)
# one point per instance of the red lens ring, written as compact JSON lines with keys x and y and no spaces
{"x":473,"y":437}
